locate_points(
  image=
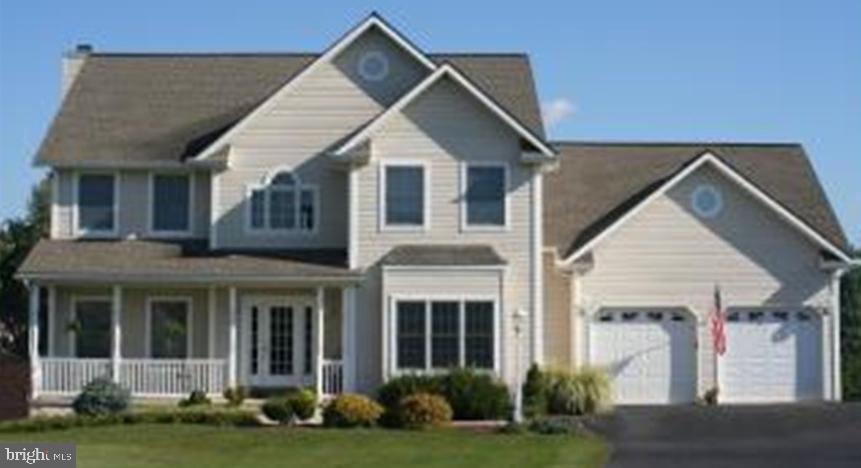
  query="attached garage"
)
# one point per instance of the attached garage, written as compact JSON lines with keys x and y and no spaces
{"x":773,"y":355}
{"x":650,"y":354}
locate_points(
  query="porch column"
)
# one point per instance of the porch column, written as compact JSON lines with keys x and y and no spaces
{"x":232,"y":338}
{"x":116,"y":333}
{"x":348,"y":337}
{"x":33,"y":342}
{"x":52,"y":320}
{"x":210,"y":322}
{"x":319,"y":337}
{"x":836,"y":379}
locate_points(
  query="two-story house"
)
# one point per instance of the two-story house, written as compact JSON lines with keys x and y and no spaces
{"x":335,"y":219}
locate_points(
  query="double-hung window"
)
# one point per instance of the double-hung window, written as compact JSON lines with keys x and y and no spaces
{"x":92,"y":327}
{"x":96,"y":203}
{"x":404,"y":196}
{"x":170,"y":328}
{"x":485,"y":187}
{"x":441,"y":334}
{"x":171,"y":203}
{"x":283,"y":204}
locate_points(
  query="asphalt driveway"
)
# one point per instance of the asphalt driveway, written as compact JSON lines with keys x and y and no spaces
{"x":820,"y":435}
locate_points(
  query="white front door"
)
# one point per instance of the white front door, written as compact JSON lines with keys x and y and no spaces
{"x":278,"y":342}
{"x":772,"y":355}
{"x":650,"y":354}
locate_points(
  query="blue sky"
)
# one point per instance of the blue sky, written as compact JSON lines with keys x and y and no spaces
{"x":729,"y":70}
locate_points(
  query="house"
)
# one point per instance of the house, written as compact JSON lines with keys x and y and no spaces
{"x":335,"y":219}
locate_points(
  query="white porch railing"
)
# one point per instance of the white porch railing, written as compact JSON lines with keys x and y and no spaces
{"x":69,"y":375}
{"x":332,"y":378}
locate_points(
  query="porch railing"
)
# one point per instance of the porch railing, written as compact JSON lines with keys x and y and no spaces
{"x":332,"y":378}
{"x":69,"y":375}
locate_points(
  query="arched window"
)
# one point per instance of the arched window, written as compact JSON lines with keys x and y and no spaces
{"x":283,"y":203}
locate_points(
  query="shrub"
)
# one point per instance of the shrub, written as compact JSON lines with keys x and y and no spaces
{"x":584,"y":392}
{"x":208,"y":416}
{"x":351,"y":410}
{"x":100,"y":397}
{"x":278,"y":409}
{"x":476,"y":396}
{"x":303,"y":403}
{"x":710,"y":397}
{"x":534,"y":393}
{"x":195,"y":398}
{"x":423,"y":410}
{"x":557,"y":425}
{"x":398,"y":388}
{"x":235,"y":395}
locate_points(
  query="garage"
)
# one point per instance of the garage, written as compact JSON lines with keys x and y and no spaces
{"x":649,"y":354}
{"x":772,"y":356}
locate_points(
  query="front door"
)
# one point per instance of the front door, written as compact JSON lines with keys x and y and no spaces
{"x":278,"y":334}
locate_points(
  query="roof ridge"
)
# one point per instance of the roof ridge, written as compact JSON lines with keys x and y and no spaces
{"x":674,"y":143}
{"x":281,"y":54}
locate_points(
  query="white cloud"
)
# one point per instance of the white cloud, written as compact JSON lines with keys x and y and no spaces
{"x":556,"y":110}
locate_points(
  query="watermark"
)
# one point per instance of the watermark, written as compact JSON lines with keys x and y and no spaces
{"x":37,"y":454}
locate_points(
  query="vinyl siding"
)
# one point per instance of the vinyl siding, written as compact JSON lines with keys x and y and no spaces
{"x":667,"y":256}
{"x":442,"y":128}
{"x":558,"y":338}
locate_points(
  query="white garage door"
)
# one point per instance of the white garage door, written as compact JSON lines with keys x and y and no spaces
{"x":771,"y":356}
{"x":650,"y":354}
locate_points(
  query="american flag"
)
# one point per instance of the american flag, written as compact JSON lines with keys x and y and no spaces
{"x":718,"y":319}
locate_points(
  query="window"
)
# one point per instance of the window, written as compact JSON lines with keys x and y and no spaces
{"x":171,"y":203}
{"x":707,"y":201}
{"x":283,"y":204}
{"x":485,"y":195}
{"x":170,"y":328}
{"x":281,"y":340}
{"x":96,"y":203}
{"x":404,"y":198}
{"x":92,"y":328}
{"x":453,"y":333}
{"x":373,"y":66}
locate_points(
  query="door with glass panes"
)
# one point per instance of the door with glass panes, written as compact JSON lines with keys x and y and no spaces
{"x":278,"y":342}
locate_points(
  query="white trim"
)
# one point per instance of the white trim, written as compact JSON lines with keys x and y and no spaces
{"x":432,"y":268}
{"x":189,"y":319}
{"x":353,"y":218}
{"x":116,"y":332}
{"x":151,"y":230}
{"x":71,"y":336}
{"x":732,"y":174}
{"x":836,"y":372}
{"x":384,"y":225}
{"x":214,"y":207}
{"x":33,"y":341}
{"x":537,"y":280}
{"x":233,"y":310}
{"x":334,"y":50}
{"x":265,"y":185}
{"x":442,"y":71}
{"x":464,"y":186}
{"x":348,"y":337}
{"x":52,"y":320}
{"x":317,"y":340}
{"x":55,"y":204}
{"x":99,"y":278}
{"x":95,"y":233}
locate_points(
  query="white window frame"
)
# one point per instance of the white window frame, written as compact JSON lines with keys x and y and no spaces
{"x":95,"y":233}
{"x":189,"y":317}
{"x":464,"y":185}
{"x":265,"y":185}
{"x":73,"y":318}
{"x":151,"y":212}
{"x":429,"y":299}
{"x":384,"y":225}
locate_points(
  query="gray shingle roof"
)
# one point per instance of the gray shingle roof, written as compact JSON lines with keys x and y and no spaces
{"x":443,"y":255}
{"x":598,"y":182}
{"x":141,"y":109}
{"x":177,"y":261}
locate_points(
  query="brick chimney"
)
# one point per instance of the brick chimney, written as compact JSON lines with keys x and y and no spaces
{"x":73,"y":60}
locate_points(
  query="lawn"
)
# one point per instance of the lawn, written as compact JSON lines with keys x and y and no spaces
{"x":204,"y":446}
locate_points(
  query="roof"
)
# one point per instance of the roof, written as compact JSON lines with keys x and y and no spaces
{"x":136,"y":259}
{"x":144,"y":109}
{"x":580,"y":202}
{"x":443,"y":255}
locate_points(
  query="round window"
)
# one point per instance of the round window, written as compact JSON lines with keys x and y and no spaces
{"x":707,"y":201}
{"x":373,"y":66}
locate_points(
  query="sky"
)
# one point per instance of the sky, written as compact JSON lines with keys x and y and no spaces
{"x":658,"y":70}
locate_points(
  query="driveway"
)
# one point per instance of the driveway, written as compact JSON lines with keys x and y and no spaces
{"x":814,"y":435}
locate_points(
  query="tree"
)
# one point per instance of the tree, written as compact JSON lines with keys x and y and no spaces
{"x":17,"y":237}
{"x":850,"y":333}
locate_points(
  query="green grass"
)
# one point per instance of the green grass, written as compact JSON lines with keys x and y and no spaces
{"x":190,"y":445}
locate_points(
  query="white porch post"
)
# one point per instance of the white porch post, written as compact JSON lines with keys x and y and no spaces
{"x":33,"y":342}
{"x":836,"y":379}
{"x":232,"y":338}
{"x":116,"y":333}
{"x":348,"y":337}
{"x":318,"y":333}
{"x":210,"y":322}
{"x":52,"y":320}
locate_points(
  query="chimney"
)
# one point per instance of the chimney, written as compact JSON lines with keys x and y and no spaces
{"x":73,"y":60}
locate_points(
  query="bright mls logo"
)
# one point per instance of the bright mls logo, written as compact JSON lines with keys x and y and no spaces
{"x":47,"y":455}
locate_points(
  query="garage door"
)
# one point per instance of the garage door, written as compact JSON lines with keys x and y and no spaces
{"x":650,"y":354}
{"x":771,"y":356}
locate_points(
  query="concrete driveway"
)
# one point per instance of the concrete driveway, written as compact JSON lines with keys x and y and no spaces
{"x":820,"y":435}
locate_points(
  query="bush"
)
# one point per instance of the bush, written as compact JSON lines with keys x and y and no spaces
{"x":584,"y":392}
{"x":534,"y":393}
{"x":351,"y":410}
{"x":303,"y":403}
{"x":278,"y":409}
{"x":235,"y":395}
{"x":100,"y":397}
{"x":395,"y":390}
{"x":171,"y":416}
{"x":423,"y":410}
{"x":557,"y":425}
{"x":195,"y":398}
{"x":710,"y":397}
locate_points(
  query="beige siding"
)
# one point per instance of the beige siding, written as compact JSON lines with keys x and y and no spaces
{"x":558,"y":338}
{"x":443,"y":128}
{"x":323,"y":107}
{"x":62,"y":201}
{"x":667,"y":256}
